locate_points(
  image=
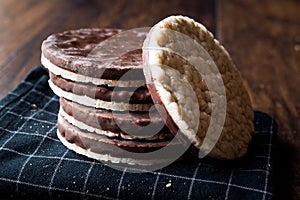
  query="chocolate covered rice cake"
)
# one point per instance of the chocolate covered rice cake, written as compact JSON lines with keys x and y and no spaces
{"x":104,"y":102}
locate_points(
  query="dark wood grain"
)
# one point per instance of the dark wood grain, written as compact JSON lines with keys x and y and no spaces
{"x":262,"y":37}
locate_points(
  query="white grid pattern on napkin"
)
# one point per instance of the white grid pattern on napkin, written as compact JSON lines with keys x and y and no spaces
{"x":49,"y":136}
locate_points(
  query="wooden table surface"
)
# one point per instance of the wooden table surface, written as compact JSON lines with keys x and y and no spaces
{"x":263,"y":38}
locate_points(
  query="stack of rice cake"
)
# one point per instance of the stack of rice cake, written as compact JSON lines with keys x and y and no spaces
{"x":105,"y":107}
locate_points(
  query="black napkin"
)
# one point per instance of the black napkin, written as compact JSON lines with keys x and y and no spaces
{"x":34,"y":164}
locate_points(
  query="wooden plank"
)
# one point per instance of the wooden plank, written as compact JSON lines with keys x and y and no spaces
{"x":263,"y":38}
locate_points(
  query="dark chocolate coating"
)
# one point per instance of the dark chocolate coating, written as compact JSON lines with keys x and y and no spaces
{"x":103,"y":145}
{"x":108,"y":121}
{"x":82,"y":52}
{"x":139,"y":95}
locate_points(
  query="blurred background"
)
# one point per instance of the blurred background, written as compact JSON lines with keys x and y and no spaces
{"x":263,"y":38}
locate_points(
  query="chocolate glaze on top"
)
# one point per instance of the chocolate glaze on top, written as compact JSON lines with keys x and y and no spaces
{"x":83,"y":51}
